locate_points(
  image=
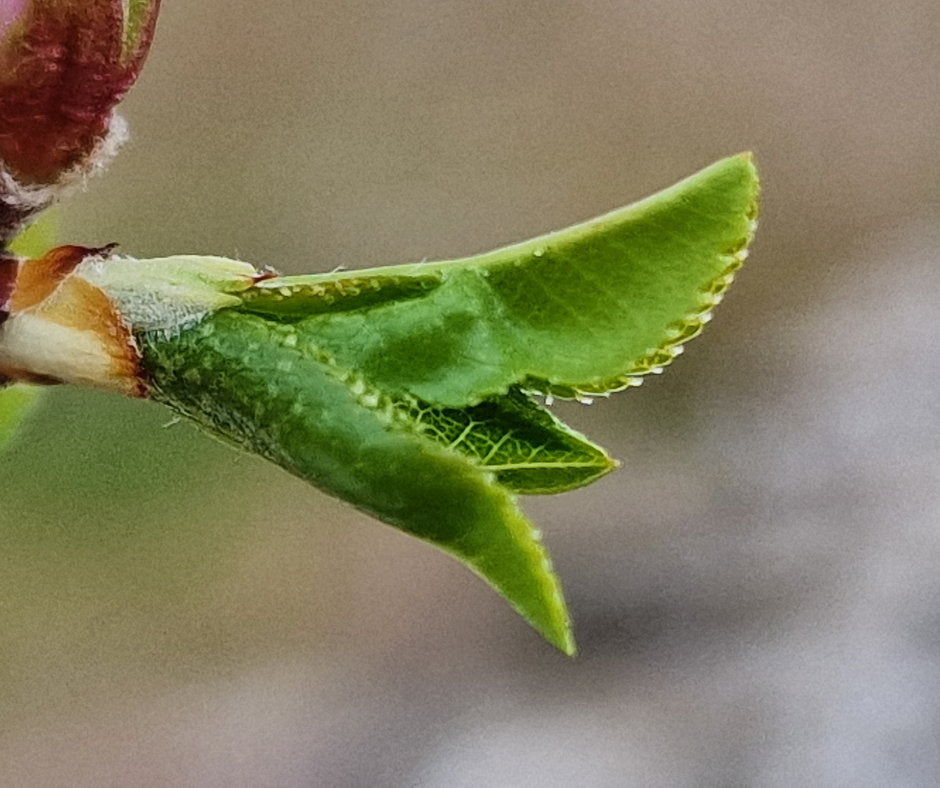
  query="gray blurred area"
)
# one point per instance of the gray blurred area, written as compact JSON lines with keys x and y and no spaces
{"x":757,"y":590}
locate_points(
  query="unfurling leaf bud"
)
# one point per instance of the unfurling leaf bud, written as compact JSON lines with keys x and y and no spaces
{"x":64,"y":65}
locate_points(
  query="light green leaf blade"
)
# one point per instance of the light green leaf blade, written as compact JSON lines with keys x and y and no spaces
{"x":528,"y":449}
{"x":578,"y":312}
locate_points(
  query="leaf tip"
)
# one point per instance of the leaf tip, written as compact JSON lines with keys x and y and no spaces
{"x":567,"y":645}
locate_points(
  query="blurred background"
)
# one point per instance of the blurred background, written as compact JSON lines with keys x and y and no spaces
{"x":756,"y":592}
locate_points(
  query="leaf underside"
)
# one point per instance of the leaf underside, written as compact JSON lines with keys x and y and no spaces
{"x":406,"y":390}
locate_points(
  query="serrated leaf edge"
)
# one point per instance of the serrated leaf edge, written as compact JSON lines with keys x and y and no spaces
{"x":675,"y":336}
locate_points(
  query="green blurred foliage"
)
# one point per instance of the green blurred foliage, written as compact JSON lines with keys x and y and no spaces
{"x":17,"y":402}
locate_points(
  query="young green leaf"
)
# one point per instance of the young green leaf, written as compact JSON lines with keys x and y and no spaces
{"x":530,"y":450}
{"x":406,"y":391}
{"x":403,"y":390}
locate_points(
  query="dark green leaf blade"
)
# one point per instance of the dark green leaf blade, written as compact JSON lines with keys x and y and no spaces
{"x":266,"y":387}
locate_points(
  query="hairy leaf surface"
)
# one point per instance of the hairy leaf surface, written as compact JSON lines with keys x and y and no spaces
{"x":266,"y":388}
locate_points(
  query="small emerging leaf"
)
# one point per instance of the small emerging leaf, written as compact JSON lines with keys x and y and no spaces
{"x":530,"y":451}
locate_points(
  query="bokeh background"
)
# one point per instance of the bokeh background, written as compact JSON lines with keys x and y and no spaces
{"x":756,"y":592}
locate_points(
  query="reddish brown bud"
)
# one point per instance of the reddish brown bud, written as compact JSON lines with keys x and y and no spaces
{"x":64,"y":65}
